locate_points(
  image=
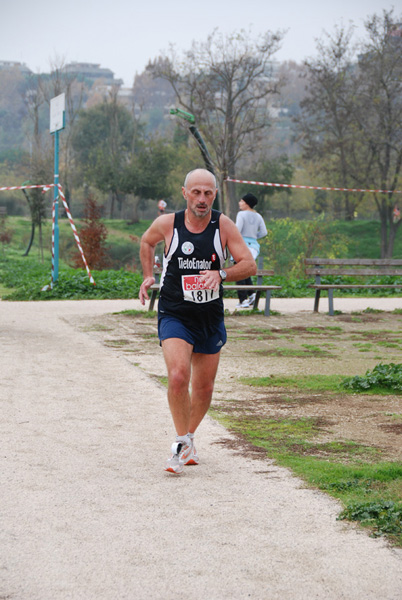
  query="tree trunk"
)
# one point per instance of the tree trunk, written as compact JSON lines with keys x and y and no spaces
{"x":134,"y":214}
{"x":389,"y":227}
{"x":222,"y":193}
{"x":112,"y":203}
{"x":391,"y":241}
{"x":231,"y":204}
{"x":384,"y":230}
{"x":31,"y":240}
{"x":393,"y":226}
{"x":349,"y":208}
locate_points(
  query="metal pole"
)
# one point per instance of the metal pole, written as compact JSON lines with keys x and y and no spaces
{"x":56,"y":208}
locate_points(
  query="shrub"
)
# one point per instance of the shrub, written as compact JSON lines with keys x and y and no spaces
{"x":93,"y":237}
{"x":382,"y":376}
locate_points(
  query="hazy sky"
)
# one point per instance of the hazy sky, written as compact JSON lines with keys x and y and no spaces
{"x":123,"y":35}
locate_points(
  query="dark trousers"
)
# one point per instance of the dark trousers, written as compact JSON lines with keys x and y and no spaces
{"x":243,"y":294}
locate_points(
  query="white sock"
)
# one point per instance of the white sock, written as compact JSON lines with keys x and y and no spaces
{"x":184,"y":439}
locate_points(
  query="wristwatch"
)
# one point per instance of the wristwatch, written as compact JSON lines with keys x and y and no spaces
{"x":223,"y":275}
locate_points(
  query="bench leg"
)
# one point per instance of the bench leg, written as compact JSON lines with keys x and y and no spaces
{"x":257,"y":299}
{"x":267,"y":303}
{"x":317,"y":300}
{"x":153,"y":298}
{"x":331,"y":302}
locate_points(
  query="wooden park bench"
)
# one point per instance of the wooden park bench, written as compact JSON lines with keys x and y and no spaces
{"x":350,"y":267}
{"x":259,"y":288}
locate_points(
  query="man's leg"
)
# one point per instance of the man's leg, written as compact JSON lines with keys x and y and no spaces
{"x":204,"y":369}
{"x":177,"y":354}
{"x":241,"y":294}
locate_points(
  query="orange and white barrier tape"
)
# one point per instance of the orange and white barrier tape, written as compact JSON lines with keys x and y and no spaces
{"x":46,"y":187}
{"x":313,"y":187}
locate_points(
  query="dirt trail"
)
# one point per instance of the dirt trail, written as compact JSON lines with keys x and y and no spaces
{"x":88,"y":512}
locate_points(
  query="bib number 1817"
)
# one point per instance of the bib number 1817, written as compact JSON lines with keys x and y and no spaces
{"x":194,"y":290}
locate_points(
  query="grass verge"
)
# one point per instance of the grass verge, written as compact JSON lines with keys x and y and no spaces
{"x":368,"y":487}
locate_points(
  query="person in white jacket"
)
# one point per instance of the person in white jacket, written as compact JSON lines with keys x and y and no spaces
{"x":252,"y":228}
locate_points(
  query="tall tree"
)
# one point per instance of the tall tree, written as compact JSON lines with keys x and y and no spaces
{"x":225,"y":82}
{"x":104,"y":141}
{"x":12,"y":108}
{"x":146,"y":176}
{"x":328,"y":130}
{"x":379,"y":115}
{"x":351,"y":120}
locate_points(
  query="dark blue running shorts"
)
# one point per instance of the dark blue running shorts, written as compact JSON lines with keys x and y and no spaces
{"x":170,"y":327}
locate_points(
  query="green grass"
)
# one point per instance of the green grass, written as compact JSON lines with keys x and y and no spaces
{"x":350,"y":472}
{"x":23,"y":278}
{"x":383,"y":380}
{"x":369,"y":488}
{"x":307,"y":352}
{"x":314,"y":383}
{"x":148,"y":314}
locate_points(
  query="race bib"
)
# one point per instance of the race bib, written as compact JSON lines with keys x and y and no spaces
{"x":194,"y":290}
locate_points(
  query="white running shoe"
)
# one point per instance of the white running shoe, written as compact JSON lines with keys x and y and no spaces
{"x":244,"y":304}
{"x":251,"y":298}
{"x":180,"y":453}
{"x":192,"y":458}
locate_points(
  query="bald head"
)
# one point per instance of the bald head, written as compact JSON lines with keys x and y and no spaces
{"x":200,"y":176}
{"x":199,"y":190}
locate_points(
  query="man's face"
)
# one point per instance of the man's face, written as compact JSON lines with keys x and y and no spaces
{"x":200,"y":193}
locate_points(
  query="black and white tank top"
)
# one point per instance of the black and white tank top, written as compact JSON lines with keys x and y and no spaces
{"x":181,"y":293}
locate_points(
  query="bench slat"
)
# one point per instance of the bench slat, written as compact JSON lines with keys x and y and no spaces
{"x":319,"y":267}
{"x":393,"y":262}
{"x":345,"y":286}
{"x":233,"y":287}
{"x":356,"y":272}
{"x":260,"y":272}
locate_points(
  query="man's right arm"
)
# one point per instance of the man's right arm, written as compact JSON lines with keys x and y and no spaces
{"x":156,"y":233}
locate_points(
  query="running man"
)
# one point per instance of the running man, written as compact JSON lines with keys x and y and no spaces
{"x":191,"y":325}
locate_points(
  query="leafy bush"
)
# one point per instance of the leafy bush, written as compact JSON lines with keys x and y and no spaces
{"x":288,"y":242}
{"x":382,"y":376}
{"x":27,"y":277}
{"x":384,"y":517}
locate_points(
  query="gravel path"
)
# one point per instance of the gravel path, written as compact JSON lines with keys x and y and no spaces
{"x":87,"y":511}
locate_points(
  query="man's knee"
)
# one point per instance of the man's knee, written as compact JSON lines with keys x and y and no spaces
{"x":178,"y":379}
{"x":206,"y":388}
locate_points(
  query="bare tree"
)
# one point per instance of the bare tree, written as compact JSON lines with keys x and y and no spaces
{"x":51,"y":86}
{"x":351,"y":120}
{"x":40,"y":162}
{"x":225,"y":82}
{"x":327,"y":127}
{"x":379,"y":115}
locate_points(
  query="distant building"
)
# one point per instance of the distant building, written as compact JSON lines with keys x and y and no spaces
{"x":91,"y":72}
{"x":10,"y":65}
{"x":125,"y":96}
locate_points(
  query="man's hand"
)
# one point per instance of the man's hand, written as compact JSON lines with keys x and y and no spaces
{"x":212,"y":280}
{"x":145,"y":285}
